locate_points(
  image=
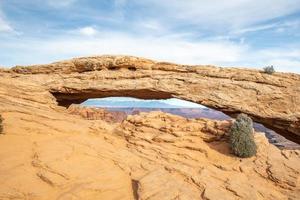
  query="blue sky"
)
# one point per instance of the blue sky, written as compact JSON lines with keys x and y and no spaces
{"x":134,"y":102}
{"x":250,"y":33}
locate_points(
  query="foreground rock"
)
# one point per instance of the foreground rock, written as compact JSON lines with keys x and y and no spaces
{"x":272,"y":100}
{"x":194,"y":154}
{"x":148,"y":156}
{"x":118,"y":114}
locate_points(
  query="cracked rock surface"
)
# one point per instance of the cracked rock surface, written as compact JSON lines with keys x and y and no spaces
{"x":48,"y":153}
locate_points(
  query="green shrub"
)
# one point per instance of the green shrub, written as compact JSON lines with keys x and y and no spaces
{"x":1,"y":125}
{"x":241,"y":137}
{"x":269,"y":69}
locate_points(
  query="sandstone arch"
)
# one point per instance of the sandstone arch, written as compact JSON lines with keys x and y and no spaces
{"x":272,"y":100}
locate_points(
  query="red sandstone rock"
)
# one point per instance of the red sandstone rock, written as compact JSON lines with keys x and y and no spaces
{"x":97,"y":113}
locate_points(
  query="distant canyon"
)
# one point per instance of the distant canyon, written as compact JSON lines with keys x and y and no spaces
{"x":118,"y":114}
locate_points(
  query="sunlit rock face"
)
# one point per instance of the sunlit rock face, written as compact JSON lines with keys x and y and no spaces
{"x":48,"y":153}
{"x":97,"y":113}
{"x":272,"y":100}
{"x":116,"y":114}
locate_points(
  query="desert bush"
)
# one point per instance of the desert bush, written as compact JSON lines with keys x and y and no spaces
{"x":269,"y":69}
{"x":241,"y":137}
{"x":1,"y":125}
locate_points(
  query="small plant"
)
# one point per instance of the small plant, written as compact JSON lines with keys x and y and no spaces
{"x":241,"y":137}
{"x":269,"y":69}
{"x":1,"y":125}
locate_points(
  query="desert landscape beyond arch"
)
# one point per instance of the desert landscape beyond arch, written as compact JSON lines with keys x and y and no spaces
{"x":272,"y":100}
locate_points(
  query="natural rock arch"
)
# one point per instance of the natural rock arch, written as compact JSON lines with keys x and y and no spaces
{"x":272,"y":100}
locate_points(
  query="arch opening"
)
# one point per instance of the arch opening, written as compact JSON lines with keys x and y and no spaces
{"x":122,"y":106}
{"x":175,"y":106}
{"x":67,"y":96}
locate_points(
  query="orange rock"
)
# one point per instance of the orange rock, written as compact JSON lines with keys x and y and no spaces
{"x":48,"y":153}
{"x":97,"y":113}
{"x":272,"y":100}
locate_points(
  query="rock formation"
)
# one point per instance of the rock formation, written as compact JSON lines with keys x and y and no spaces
{"x":97,"y":113}
{"x":272,"y":100}
{"x":48,"y":153}
{"x":118,"y":114}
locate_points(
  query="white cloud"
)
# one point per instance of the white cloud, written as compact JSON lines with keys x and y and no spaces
{"x":163,"y":48}
{"x":174,"y":49}
{"x":256,"y":28}
{"x":119,"y":3}
{"x":60,"y":3}
{"x":152,"y":25}
{"x":285,"y":59}
{"x":285,"y":65}
{"x":281,"y":52}
{"x":229,"y":13}
{"x":278,"y":27}
{"x":88,"y":31}
{"x":182,"y":103}
{"x":4,"y":24}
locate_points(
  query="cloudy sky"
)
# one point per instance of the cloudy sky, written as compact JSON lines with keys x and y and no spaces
{"x":251,"y":33}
